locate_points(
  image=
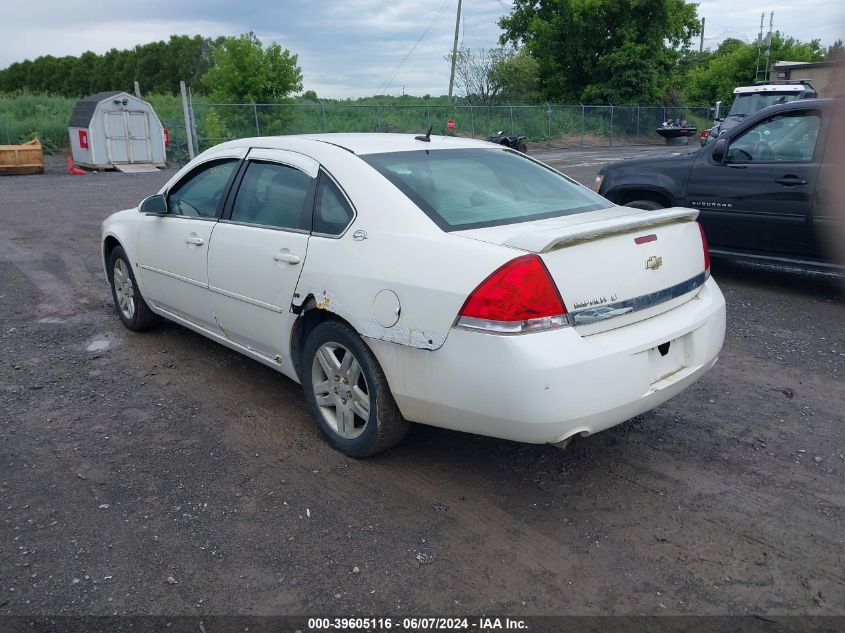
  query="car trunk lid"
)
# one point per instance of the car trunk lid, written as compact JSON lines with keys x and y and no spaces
{"x":614,"y":266}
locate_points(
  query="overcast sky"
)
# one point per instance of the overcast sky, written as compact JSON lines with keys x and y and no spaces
{"x":346,"y":48}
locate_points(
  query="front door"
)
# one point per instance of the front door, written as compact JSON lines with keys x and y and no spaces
{"x":761,"y":197}
{"x":257,"y":252}
{"x":173,"y":248}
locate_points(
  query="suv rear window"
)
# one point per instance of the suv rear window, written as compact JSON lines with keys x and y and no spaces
{"x":472,"y":188}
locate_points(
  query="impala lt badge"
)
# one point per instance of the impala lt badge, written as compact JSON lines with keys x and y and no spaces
{"x":654,"y":262}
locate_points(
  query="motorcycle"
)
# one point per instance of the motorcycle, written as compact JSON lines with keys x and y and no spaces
{"x":514,"y":141}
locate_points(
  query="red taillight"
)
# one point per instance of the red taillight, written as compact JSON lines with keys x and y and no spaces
{"x":166,"y":137}
{"x":518,"y":297}
{"x":706,"y":250}
{"x":704,"y":133}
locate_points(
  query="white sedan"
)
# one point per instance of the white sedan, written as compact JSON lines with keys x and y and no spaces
{"x":423,"y":279}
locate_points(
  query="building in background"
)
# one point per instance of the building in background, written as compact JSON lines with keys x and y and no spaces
{"x":821,"y":74}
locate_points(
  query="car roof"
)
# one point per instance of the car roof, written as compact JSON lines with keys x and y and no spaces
{"x":365,"y":143}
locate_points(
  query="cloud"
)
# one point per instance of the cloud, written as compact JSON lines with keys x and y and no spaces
{"x":346,"y":48}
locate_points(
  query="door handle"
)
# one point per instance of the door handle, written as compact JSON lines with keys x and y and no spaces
{"x":290,"y":258}
{"x":197,"y":241}
{"x":791,"y":181}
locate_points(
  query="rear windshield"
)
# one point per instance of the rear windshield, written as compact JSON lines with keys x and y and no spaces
{"x":749,"y":103}
{"x":472,"y":188}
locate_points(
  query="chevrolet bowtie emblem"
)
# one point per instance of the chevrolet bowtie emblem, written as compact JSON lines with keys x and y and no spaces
{"x":654,"y":262}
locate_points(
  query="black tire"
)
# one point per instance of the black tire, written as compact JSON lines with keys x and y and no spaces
{"x":140,"y":317}
{"x":522,"y":147}
{"x":384,"y":427}
{"x":648,"y":205}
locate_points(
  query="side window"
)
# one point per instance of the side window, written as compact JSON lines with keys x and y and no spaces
{"x":200,"y":192}
{"x":332,"y":213}
{"x":789,"y":137}
{"x":272,"y":195}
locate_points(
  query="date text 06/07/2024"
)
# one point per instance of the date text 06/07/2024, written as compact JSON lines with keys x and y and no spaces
{"x":416,"y":624}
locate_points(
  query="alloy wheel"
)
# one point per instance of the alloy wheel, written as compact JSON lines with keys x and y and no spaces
{"x":341,"y":390}
{"x":124,"y":289}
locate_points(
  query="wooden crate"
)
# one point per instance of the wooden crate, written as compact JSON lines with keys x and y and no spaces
{"x":22,"y":159}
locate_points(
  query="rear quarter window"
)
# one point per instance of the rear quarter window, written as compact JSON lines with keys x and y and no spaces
{"x":472,"y":188}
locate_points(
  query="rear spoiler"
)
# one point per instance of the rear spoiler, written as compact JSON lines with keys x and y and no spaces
{"x":545,"y":240}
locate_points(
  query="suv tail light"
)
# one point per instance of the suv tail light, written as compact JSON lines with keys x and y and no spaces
{"x":704,"y":133}
{"x":517,"y":298}
{"x":706,"y":250}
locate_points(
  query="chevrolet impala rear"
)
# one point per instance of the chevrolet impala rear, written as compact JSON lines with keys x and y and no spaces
{"x":598,"y":313}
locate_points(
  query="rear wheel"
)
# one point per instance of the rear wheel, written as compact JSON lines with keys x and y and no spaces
{"x":649,"y":205}
{"x":347,"y":393}
{"x":522,"y":147}
{"x":131,"y":307}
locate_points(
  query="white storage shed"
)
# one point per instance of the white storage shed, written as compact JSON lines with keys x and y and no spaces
{"x":116,"y":130}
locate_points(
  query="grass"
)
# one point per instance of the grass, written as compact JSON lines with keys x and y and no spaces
{"x":25,"y":116}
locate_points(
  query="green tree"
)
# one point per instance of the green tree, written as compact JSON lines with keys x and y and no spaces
{"x":244,"y":70}
{"x":835,"y":53}
{"x":157,"y":67}
{"x":734,"y":64}
{"x":603,"y":50}
{"x":518,"y":73}
{"x":474,"y":75}
{"x":489,"y":76}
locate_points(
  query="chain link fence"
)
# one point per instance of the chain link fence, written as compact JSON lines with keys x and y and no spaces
{"x":549,"y":125}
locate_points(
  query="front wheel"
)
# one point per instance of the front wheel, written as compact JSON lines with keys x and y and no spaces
{"x":522,"y":147}
{"x":347,"y":393}
{"x":131,"y":307}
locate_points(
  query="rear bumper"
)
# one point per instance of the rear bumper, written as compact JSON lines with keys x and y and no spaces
{"x":546,"y":387}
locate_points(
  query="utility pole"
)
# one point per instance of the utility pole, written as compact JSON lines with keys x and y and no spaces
{"x":455,"y":51}
{"x":701,"y":43}
{"x":769,"y":43}
{"x":759,"y":44}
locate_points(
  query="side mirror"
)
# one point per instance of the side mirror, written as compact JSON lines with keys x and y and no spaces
{"x":154,"y":205}
{"x":719,"y":150}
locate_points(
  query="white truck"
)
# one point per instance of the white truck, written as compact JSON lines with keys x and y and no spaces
{"x":751,"y":99}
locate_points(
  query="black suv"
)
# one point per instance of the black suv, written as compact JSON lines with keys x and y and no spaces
{"x":763,"y":187}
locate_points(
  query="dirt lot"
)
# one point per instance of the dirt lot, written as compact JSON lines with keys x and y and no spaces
{"x":163,"y":474}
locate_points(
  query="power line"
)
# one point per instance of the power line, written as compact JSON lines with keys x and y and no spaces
{"x":387,"y":82}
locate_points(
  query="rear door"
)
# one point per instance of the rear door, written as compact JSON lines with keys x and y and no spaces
{"x":761,"y":197}
{"x":258,"y":250}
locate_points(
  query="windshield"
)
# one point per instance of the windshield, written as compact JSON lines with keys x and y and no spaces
{"x":473,"y":188}
{"x":752,"y":102}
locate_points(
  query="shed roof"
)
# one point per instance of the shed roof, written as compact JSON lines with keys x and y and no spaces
{"x":84,"y":109}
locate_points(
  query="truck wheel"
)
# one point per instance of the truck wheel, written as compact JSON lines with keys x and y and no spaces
{"x":648,"y":205}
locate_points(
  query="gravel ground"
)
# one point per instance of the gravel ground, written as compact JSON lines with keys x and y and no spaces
{"x":160,"y":473}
